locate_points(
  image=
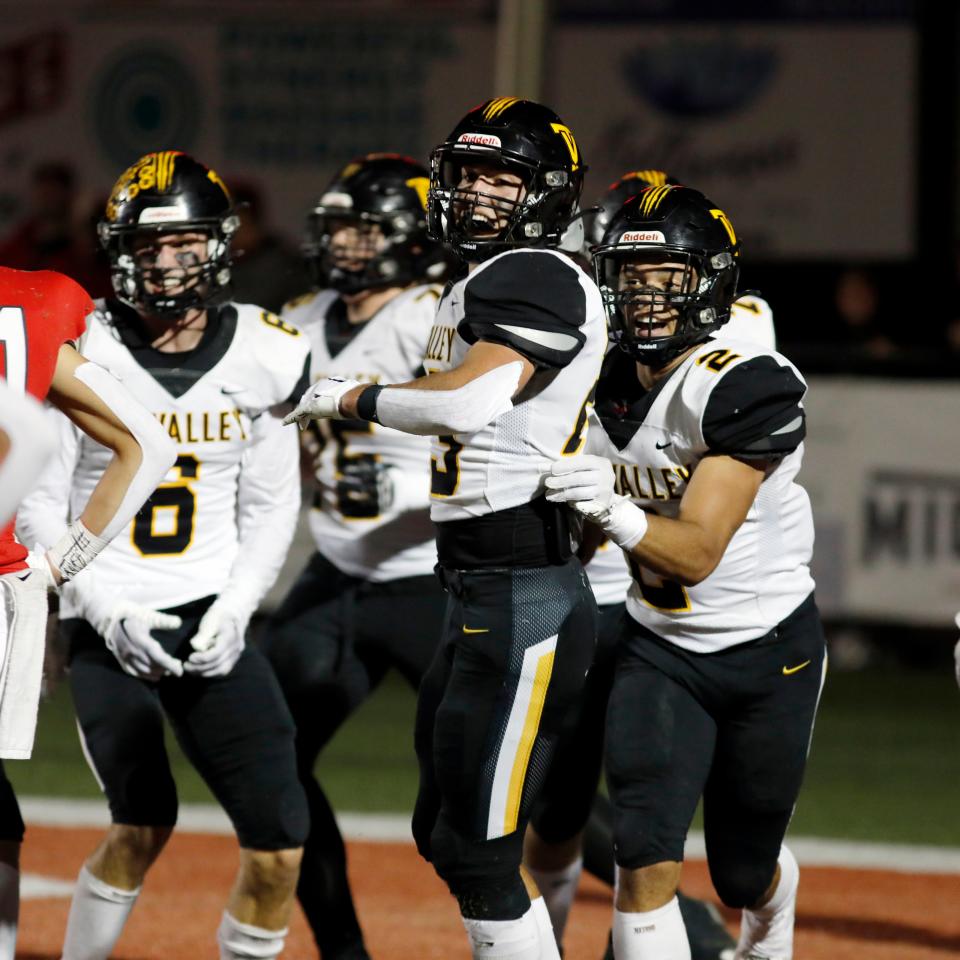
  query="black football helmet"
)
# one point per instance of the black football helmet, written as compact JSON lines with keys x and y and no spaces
{"x":168,"y":193}
{"x":523,"y":138}
{"x":597,"y":218}
{"x":385,"y":190}
{"x":661,"y":225}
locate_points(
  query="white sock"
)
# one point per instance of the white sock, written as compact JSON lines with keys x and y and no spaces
{"x":768,"y":931}
{"x":98,"y":913}
{"x":505,"y":939}
{"x":242,"y":941}
{"x":652,"y":935}
{"x":549,"y":946}
{"x":558,"y":888}
{"x":9,"y":910}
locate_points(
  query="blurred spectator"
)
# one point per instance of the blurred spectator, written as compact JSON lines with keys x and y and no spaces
{"x":51,"y":237}
{"x":856,"y":303}
{"x":265,"y":270}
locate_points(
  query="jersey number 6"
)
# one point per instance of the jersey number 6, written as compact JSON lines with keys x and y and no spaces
{"x":178,"y":497}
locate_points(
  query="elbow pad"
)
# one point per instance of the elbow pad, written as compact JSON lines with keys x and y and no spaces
{"x":157,"y":451}
{"x":467,"y":409}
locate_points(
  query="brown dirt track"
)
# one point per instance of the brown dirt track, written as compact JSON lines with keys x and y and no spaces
{"x":408,"y":915}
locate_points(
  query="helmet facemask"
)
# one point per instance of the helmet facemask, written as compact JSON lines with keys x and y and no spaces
{"x":198,"y":279}
{"x":662,"y":300}
{"x":350,"y":250}
{"x":480,"y":223}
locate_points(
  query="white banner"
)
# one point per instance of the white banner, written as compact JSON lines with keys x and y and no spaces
{"x":882,"y":466}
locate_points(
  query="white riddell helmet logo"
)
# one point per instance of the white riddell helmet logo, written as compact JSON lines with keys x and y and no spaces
{"x":481,"y":139}
{"x":642,"y":236}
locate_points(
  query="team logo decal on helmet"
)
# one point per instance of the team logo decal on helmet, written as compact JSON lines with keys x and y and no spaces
{"x":597,"y":218}
{"x":164,"y":194}
{"x":369,"y":228}
{"x":521,"y":138}
{"x":679,"y":236}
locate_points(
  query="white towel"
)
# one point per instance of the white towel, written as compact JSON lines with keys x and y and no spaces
{"x":23,"y":625}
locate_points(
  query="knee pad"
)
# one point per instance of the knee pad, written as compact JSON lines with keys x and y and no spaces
{"x":484,"y":875}
{"x":741,"y":885}
{"x":281,"y":823}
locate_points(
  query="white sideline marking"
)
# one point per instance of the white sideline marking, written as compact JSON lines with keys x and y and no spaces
{"x":395,"y":828}
{"x":33,"y":886}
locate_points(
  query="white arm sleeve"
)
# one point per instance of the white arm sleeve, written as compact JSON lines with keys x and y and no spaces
{"x":268,"y":505}
{"x":45,"y":511}
{"x":467,"y":409}
{"x":31,"y":442}
{"x":158,"y":452}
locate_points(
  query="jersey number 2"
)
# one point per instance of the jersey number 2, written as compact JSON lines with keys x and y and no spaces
{"x":13,"y":339}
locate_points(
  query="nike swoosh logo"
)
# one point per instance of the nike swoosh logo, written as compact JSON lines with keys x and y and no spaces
{"x":25,"y":576}
{"x":663,"y":446}
{"x":476,"y":630}
{"x":788,"y":670}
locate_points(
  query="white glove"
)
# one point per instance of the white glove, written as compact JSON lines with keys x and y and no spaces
{"x":321,"y":401}
{"x":128,"y":638}
{"x":586,"y":482}
{"x":217,"y":644}
{"x":37,"y":560}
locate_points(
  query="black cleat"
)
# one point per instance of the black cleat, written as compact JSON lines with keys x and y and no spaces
{"x":709,"y":939}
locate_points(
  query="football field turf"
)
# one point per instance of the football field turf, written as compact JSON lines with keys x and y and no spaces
{"x":885,"y":764}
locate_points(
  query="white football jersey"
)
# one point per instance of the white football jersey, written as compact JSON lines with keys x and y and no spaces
{"x":236,"y":477}
{"x":731,"y":397}
{"x":389,"y":535}
{"x":750,"y":319}
{"x":539,"y":303}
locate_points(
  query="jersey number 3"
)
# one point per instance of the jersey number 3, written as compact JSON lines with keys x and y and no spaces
{"x":13,"y":342}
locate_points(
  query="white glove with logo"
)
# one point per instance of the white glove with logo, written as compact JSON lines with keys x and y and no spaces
{"x":37,"y":560}
{"x":218,"y":642}
{"x":321,"y":401}
{"x":127,"y":634}
{"x":586,"y":483}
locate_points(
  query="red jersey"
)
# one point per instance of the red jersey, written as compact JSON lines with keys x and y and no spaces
{"x":39,"y":312}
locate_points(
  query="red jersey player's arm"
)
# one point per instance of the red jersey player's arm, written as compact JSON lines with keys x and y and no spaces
{"x":142,"y":454}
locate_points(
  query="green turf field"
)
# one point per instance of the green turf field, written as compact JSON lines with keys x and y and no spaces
{"x":885,"y":763}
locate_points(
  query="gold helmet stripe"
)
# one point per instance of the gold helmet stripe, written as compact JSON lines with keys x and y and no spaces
{"x":496,"y":106}
{"x":651,"y":199}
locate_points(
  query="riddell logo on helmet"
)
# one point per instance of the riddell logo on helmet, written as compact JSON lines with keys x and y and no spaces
{"x":642,"y":236}
{"x":481,"y":139}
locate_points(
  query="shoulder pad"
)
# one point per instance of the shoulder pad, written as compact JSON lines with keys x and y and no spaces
{"x":529,"y":300}
{"x":755,"y":410}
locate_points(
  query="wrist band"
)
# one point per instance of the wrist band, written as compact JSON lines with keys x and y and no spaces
{"x":367,"y":403}
{"x":74,"y":550}
{"x":624,"y":523}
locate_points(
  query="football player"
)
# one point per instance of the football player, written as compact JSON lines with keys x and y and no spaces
{"x":160,"y":629}
{"x":571,"y":826}
{"x":511,"y":360}
{"x":368,"y":600}
{"x":721,"y":656}
{"x":43,"y":315}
